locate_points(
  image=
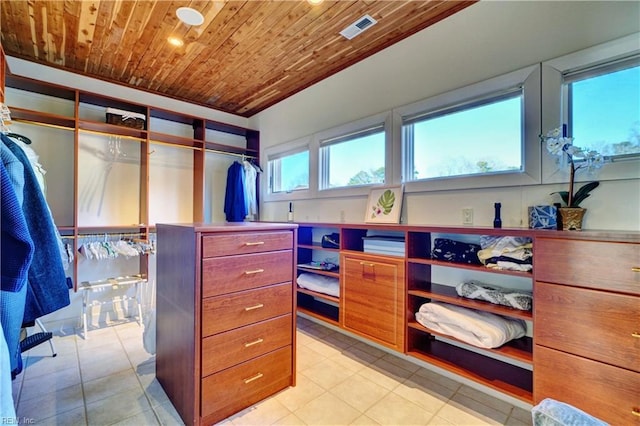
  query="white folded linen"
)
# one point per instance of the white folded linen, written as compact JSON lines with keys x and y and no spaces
{"x":319,"y":283}
{"x":477,"y":328}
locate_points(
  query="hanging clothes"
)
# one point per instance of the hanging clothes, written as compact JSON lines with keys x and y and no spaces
{"x":47,"y":289}
{"x":17,"y":242}
{"x":235,"y":208}
{"x":251,"y":198}
{"x":33,"y":157}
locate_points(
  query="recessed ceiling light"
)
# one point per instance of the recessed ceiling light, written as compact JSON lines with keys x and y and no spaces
{"x":189,"y":16}
{"x":314,"y":2}
{"x":175,"y":41}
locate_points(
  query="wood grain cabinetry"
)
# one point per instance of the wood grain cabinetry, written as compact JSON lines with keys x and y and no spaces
{"x":373,"y":294}
{"x":506,"y":368}
{"x":587,"y":334}
{"x":225,"y":316}
{"x":104,"y":178}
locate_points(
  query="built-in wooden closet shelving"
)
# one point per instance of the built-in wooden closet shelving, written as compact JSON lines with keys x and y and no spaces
{"x":507,"y":369}
{"x":82,"y":115}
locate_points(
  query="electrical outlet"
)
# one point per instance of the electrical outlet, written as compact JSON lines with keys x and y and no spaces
{"x":467,"y":216}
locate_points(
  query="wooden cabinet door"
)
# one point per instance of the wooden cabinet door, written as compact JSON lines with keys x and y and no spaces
{"x":373,"y":294}
{"x":609,"y":393}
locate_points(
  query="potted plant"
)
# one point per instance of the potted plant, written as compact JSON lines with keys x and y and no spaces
{"x":575,"y":158}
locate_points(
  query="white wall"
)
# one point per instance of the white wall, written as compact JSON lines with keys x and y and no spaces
{"x":485,"y":40}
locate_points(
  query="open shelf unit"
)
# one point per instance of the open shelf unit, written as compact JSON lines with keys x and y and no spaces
{"x":109,"y":179}
{"x":313,"y":303}
{"x":507,"y":369}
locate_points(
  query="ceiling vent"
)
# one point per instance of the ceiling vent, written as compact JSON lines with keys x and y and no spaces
{"x":357,"y":27}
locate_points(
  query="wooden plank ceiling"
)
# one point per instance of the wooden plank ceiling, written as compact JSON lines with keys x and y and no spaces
{"x":245,"y":57}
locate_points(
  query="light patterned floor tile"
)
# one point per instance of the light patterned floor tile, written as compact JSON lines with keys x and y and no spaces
{"x":327,"y":409}
{"x":364,"y":420}
{"x":117,"y":407}
{"x":429,"y":395}
{"x":462,"y":410}
{"x":290,"y":420}
{"x":327,"y":373}
{"x":168,"y":415}
{"x":107,"y":386}
{"x":146,"y":418}
{"x":395,"y":410}
{"x":485,"y":399}
{"x":341,"y":381}
{"x":47,"y":384}
{"x":359,"y":392}
{"x":51,"y":404}
{"x":75,"y":417}
{"x":304,"y":391}
{"x":380,"y":377}
{"x":266,"y":412}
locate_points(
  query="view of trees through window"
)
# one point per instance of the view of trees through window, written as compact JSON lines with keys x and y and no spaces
{"x":357,"y":160}
{"x":604,"y":112}
{"x":486,"y":138}
{"x":289,"y":172}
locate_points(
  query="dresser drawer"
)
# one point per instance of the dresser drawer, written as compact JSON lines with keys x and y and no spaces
{"x":235,"y":388}
{"x":235,"y":310}
{"x":609,"y":393}
{"x":582,"y":263}
{"x":245,"y":243}
{"x":222,"y":275}
{"x":227,"y":349}
{"x":590,"y":323}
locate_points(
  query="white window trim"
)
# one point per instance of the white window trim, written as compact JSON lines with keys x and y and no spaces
{"x":350,"y":128}
{"x":552,"y":72}
{"x":283,"y":150}
{"x":529,"y":78}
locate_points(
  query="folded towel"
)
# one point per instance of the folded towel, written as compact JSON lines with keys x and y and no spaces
{"x":319,"y":283}
{"x":517,"y":299}
{"x":476,"y":328}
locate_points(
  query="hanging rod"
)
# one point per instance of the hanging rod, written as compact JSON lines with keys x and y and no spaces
{"x":232,"y":154}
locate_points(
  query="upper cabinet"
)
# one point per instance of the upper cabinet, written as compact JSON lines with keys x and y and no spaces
{"x":117,"y":166}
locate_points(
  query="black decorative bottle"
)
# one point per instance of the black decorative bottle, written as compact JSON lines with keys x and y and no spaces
{"x":497,"y":222}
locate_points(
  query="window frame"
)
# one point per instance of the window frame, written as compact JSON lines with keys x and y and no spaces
{"x":529,"y":79}
{"x":279,"y":151}
{"x":344,"y":130}
{"x":323,"y":155}
{"x":556,"y":113}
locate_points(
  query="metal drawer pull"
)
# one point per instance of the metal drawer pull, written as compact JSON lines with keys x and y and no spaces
{"x":255,"y":342}
{"x":255,"y":271}
{"x":635,"y":268}
{"x":251,"y":379}
{"x":635,"y":412}
{"x":257,"y":243}
{"x":636,"y":335}
{"x":251,"y":308}
{"x":368,"y":264}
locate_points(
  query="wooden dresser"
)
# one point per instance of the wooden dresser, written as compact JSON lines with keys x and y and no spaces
{"x":587,"y":324}
{"x":225,"y":316}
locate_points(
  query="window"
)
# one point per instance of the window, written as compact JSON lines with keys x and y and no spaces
{"x":354,"y":159}
{"x":596,"y":93}
{"x":602,"y":107}
{"x":289,"y":172}
{"x":477,"y":137}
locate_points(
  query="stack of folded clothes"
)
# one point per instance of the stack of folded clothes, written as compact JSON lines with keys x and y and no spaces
{"x":510,"y":253}
{"x":455,"y":251}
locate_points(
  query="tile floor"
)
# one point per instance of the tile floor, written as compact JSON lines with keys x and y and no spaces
{"x":109,"y":379}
